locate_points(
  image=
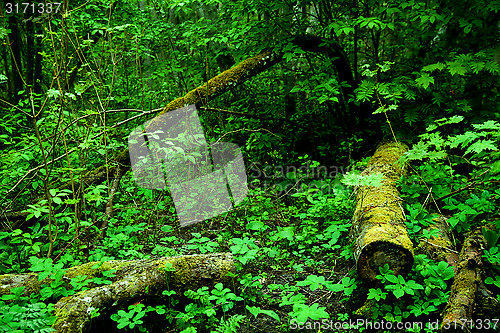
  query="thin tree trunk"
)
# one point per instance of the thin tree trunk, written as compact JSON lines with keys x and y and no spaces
{"x":16,"y":69}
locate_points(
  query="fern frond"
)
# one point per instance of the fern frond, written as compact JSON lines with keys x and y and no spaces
{"x":230,"y":325}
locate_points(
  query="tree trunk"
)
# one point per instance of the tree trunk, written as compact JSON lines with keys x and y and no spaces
{"x":16,"y":70}
{"x":133,"y":280}
{"x":379,"y":221}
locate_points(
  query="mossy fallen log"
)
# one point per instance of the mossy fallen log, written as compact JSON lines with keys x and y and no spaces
{"x":379,"y":222}
{"x":458,"y":312}
{"x":134,"y":280}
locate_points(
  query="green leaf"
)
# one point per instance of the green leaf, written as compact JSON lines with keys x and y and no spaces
{"x":424,"y":80}
{"x":4,"y":32}
{"x":481,"y":145}
{"x":398,"y":292}
{"x":255,"y":311}
{"x":491,"y":237}
{"x":488,"y":125}
{"x":353,"y":179}
{"x":429,"y":68}
{"x":335,"y":287}
{"x":392,"y":278}
{"x":302,"y":312}
{"x":314,"y":282}
{"x":376,"y":294}
{"x":53,"y":93}
{"x":456,"y":68}
{"x":255,"y":225}
{"x":462,"y":139}
{"x":287,"y":232}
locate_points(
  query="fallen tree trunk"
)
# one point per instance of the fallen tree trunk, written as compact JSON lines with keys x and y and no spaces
{"x":379,"y":222}
{"x":458,"y":312}
{"x":133,"y":280}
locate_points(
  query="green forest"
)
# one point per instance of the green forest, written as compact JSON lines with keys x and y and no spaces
{"x":249,"y":166}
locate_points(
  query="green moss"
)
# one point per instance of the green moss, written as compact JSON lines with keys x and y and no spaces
{"x":379,"y":217}
{"x":87,"y":270}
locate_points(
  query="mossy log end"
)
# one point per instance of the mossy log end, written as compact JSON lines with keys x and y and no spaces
{"x":134,"y":280}
{"x":379,"y":221}
{"x":468,"y":278}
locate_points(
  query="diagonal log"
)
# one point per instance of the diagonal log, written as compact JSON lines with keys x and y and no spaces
{"x":217,"y":86}
{"x":378,"y":226}
{"x":199,"y":96}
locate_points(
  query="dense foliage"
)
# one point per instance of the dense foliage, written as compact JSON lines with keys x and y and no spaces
{"x":77,"y":80}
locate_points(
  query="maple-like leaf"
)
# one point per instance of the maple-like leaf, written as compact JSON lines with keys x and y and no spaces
{"x":487,"y":125}
{"x":462,"y":139}
{"x":432,"y":67}
{"x":424,"y":80}
{"x":456,"y":68}
{"x":481,"y":145}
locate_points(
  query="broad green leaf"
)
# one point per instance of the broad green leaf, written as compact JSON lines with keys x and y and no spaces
{"x":433,"y":67}
{"x":424,"y":80}
{"x":480,"y":146}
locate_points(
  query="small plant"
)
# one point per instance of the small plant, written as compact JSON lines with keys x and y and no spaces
{"x":255,"y":311}
{"x":231,"y":325}
{"x":202,"y":244}
{"x":133,"y":317}
{"x":302,"y":312}
{"x":20,"y":314}
{"x":492,"y":255}
{"x":424,"y":285}
{"x":347,"y":285}
{"x":244,"y":249}
{"x":224,"y":297}
{"x":401,"y":287}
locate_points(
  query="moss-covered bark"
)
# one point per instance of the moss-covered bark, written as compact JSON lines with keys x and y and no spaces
{"x":378,"y":223}
{"x":463,"y":296}
{"x":135,"y":279}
